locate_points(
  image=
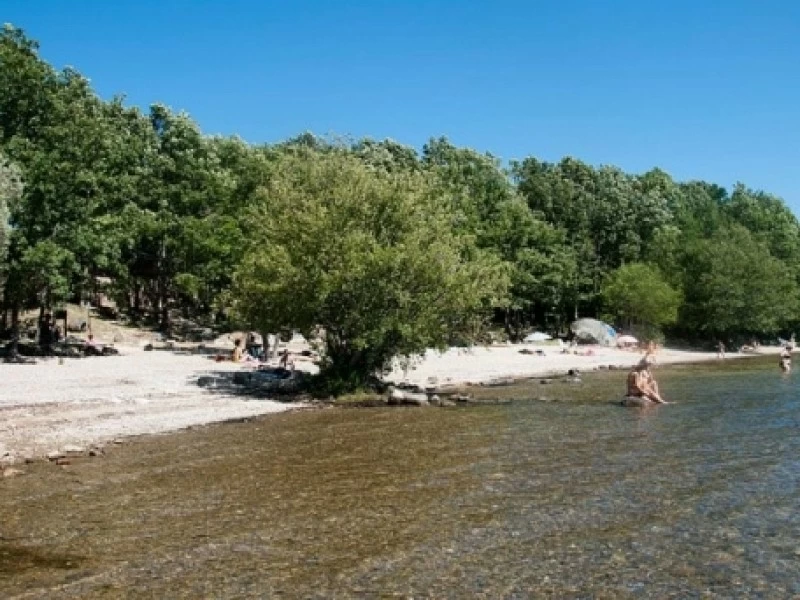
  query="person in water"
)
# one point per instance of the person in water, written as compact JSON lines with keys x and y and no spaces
{"x":786,"y":359}
{"x":642,"y":384}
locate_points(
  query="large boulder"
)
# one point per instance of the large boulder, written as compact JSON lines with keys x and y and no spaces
{"x":398,"y":397}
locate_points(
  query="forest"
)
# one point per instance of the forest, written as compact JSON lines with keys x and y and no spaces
{"x":383,"y":248}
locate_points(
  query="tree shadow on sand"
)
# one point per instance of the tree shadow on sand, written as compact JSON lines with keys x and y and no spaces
{"x":273,"y":383}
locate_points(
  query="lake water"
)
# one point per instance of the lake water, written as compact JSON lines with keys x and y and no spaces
{"x":559,"y":498}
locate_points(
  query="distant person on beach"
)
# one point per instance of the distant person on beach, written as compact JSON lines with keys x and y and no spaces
{"x":286,"y":361}
{"x":91,"y":347}
{"x":642,"y":384}
{"x":237,"y":354}
{"x":254,"y":348}
{"x":720,"y":349}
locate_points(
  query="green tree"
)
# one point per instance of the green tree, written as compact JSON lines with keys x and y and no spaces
{"x":387,"y":154}
{"x":733,"y":285}
{"x":10,"y":191}
{"x":368,"y":256}
{"x":543,"y":267}
{"x":475,"y":184}
{"x":486,"y":203}
{"x":186,"y":189}
{"x":770,"y":221}
{"x":637,"y":295}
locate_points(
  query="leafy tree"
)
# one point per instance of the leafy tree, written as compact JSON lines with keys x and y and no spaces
{"x":699,"y":209}
{"x":368,"y":256}
{"x":473,"y":183}
{"x":543,"y":267}
{"x":185,"y":186}
{"x":387,"y":154}
{"x":637,"y":295}
{"x":485,"y":203}
{"x":171,"y":214}
{"x":10,"y":191}
{"x":733,"y":285}
{"x":45,"y":272}
{"x":770,"y":221}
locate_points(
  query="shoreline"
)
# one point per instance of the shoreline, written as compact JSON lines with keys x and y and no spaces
{"x":79,"y":406}
{"x":495,"y":365}
{"x":86,"y":404}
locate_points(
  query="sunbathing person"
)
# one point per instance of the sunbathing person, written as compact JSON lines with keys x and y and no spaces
{"x":91,"y":347}
{"x":642,"y":384}
{"x":237,"y":354}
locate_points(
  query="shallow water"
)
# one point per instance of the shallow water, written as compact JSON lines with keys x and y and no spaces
{"x":571,"y":497}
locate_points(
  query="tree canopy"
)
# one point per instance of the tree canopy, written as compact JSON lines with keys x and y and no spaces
{"x":638,"y":297}
{"x":385,"y":248}
{"x":370,"y":257}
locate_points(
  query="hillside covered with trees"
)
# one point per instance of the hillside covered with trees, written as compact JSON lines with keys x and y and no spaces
{"x":385,"y":248}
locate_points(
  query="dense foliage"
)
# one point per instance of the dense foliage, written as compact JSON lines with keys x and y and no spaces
{"x":368,"y":256}
{"x":637,"y":294}
{"x":10,"y":190}
{"x":384,"y":248}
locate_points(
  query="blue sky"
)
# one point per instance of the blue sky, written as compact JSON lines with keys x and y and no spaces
{"x":702,"y":92}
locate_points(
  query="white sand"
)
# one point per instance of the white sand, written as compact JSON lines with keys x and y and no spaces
{"x":48,"y":406}
{"x":480,"y":365}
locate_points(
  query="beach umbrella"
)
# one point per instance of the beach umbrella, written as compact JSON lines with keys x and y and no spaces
{"x":537,"y":336}
{"x":592,"y":330}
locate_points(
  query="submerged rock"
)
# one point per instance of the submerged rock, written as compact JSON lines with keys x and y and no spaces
{"x":460,"y":398}
{"x":636,"y":402}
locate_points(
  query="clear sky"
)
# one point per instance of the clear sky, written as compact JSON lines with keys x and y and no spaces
{"x":705,"y":90}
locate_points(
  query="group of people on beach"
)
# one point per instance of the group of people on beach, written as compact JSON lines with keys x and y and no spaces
{"x":254,"y":352}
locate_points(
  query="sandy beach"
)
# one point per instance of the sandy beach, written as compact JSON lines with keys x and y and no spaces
{"x":459,"y":366}
{"x":54,"y":405}
{"x":51,"y":405}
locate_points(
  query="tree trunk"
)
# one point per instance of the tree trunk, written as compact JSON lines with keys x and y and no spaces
{"x":13,"y":348}
{"x":162,"y":287}
{"x":40,"y":323}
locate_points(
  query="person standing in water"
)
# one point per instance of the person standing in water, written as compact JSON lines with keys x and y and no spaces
{"x":720,"y":349}
{"x":642,"y":384}
{"x":786,"y":359}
